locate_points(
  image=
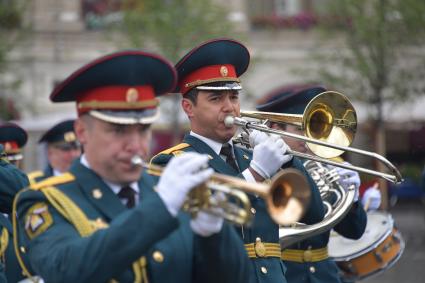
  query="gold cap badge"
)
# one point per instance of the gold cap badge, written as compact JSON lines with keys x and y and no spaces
{"x":223,"y":71}
{"x":7,"y":146}
{"x":69,"y":137}
{"x":132,"y":95}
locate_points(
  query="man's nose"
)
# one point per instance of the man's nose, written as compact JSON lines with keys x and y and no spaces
{"x":227,"y":104}
{"x":134,"y":141}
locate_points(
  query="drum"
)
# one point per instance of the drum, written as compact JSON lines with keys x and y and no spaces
{"x":377,"y":250}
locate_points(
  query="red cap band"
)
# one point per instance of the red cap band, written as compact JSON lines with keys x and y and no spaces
{"x":209,"y":74}
{"x":117,"y":98}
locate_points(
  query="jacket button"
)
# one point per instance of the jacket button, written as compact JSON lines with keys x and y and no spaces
{"x":253,"y":211}
{"x":158,"y":256}
{"x":312,"y":269}
{"x":264,"y":270}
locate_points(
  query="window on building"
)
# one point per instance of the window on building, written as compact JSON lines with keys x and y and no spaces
{"x":281,"y":14}
{"x":98,"y":14}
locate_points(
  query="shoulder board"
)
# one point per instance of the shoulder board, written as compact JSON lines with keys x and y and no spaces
{"x":34,"y":175}
{"x":175,"y":149}
{"x":53,"y":181}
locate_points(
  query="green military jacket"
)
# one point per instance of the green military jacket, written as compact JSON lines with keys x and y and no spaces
{"x":37,"y":176}
{"x":126,"y":244}
{"x":270,"y":269}
{"x":4,"y":243}
{"x":11,"y":181}
{"x":9,"y":262}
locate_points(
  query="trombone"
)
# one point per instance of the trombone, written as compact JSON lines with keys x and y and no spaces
{"x":287,"y":196}
{"x":329,"y":122}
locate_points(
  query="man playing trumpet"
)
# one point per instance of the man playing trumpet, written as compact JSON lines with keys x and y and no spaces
{"x":106,"y":220}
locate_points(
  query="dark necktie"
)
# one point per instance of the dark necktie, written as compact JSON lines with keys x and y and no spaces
{"x":129,"y":195}
{"x":226,"y":150}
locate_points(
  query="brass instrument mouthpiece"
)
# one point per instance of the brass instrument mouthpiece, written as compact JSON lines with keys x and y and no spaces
{"x":229,"y":121}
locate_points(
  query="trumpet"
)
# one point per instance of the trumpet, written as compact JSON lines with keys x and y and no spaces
{"x":329,"y":122}
{"x":287,"y":195}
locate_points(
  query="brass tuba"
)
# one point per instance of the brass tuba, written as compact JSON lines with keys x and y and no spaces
{"x":287,"y":196}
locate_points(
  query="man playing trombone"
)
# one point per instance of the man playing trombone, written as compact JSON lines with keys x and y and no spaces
{"x":107,"y":221}
{"x":308,"y":261}
{"x":208,"y":79}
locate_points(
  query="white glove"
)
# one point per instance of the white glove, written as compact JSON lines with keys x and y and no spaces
{"x":256,"y":137}
{"x":349,"y":178}
{"x":206,"y":224}
{"x":269,"y":156}
{"x":182,"y":174}
{"x":372,"y":198}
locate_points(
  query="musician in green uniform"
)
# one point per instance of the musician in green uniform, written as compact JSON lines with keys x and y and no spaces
{"x":13,"y":138}
{"x":12,"y":180}
{"x":62,"y":148}
{"x":307,"y":261}
{"x":210,"y":85}
{"x":107,"y":219}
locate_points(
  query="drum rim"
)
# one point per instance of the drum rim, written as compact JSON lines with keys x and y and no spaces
{"x":363,"y":251}
{"x":385,"y":267}
{"x":372,"y":246}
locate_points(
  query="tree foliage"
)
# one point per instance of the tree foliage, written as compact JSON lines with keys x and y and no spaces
{"x":173,"y":26}
{"x":11,"y":31}
{"x":10,"y":22}
{"x":382,"y":59}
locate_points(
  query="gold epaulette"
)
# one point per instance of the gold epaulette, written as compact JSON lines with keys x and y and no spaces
{"x":175,"y":150}
{"x":53,"y":181}
{"x":32,"y":176}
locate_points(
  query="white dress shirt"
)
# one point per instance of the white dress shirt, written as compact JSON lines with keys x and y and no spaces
{"x":216,"y":147}
{"x":116,"y":188}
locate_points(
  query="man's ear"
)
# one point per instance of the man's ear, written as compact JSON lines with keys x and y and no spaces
{"x":187,"y":106}
{"x":80,"y":127}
